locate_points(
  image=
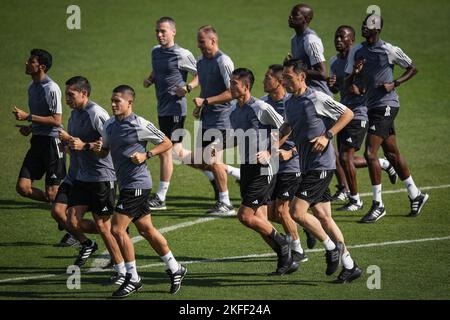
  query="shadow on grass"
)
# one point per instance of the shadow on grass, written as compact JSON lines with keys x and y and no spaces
{"x":13,"y":204}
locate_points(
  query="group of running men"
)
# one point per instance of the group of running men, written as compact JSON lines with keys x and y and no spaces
{"x":287,"y":174}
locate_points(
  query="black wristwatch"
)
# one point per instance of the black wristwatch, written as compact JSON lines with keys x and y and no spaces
{"x":205,"y":102}
{"x":188,"y":88}
{"x":149,"y":154}
{"x":87,"y":146}
{"x":396,"y":83}
{"x":329,"y":135}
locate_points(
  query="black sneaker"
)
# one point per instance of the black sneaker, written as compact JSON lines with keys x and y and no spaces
{"x":222,"y":210}
{"x":116,"y":278}
{"x":310,"y":239}
{"x":68,"y":240}
{"x":85,"y":253}
{"x":176,"y":278}
{"x":340,"y":195}
{"x":375,"y":213}
{"x":215,"y":188}
{"x":348,"y":275}
{"x":155,"y":203}
{"x":352,"y":205}
{"x":127,"y":287}
{"x":299,"y":257}
{"x":333,"y":258}
{"x":417,"y":204}
{"x":393,"y":177}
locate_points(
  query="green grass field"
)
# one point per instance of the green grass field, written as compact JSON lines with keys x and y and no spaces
{"x":225,"y":259}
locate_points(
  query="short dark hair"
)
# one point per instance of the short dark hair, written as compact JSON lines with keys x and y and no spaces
{"x":349,"y":28}
{"x":168,"y":20}
{"x":246,"y":75}
{"x":80,"y":83}
{"x":277,"y":70}
{"x":126,"y":89}
{"x":43,"y":57}
{"x":208,"y":29}
{"x":299,"y":65}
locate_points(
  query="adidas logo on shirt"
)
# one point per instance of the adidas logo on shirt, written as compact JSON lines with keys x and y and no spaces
{"x":255,"y":202}
{"x":373,"y":128}
{"x":349,"y":140}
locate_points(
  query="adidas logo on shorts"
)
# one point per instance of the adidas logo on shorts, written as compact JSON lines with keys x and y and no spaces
{"x":286,"y":194}
{"x":105,"y":209}
{"x":255,"y":202}
{"x":373,"y":128}
{"x":349,"y":140}
{"x":304,"y":193}
{"x":120,"y":206}
{"x":53,"y":176}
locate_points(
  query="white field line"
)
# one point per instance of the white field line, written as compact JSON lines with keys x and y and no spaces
{"x":365,"y":245}
{"x":103,"y":259}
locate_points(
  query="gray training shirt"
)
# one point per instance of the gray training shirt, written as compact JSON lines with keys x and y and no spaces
{"x":292,"y":165}
{"x":44,"y":99}
{"x":255,"y":119}
{"x":309,"y":48}
{"x":214,"y":76}
{"x":87,"y":124}
{"x":309,"y":116}
{"x":378,"y":69}
{"x":124,"y":138}
{"x":170,"y":69}
{"x":355,"y":102}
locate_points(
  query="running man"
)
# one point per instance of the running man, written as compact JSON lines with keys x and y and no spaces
{"x":313,"y":118}
{"x":125,"y":137}
{"x":373,"y":61}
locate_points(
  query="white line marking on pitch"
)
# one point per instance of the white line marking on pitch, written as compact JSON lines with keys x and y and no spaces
{"x":365,"y":245}
{"x":104,"y":257}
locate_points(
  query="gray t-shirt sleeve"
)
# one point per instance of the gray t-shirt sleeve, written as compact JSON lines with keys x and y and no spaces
{"x":267,"y":115}
{"x":397,"y":56}
{"x":146,"y":131}
{"x":187,"y":62}
{"x":226,"y":67}
{"x":53,"y":98}
{"x":98,"y":118}
{"x":314,"y":49}
{"x":328,"y":107}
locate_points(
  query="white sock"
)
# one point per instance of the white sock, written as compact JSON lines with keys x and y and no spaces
{"x":296,"y":246}
{"x":356,"y":198}
{"x":413,"y":191}
{"x":131,"y":268}
{"x":163,"y":188}
{"x":120,"y":268}
{"x":347,"y":261}
{"x":209,"y":174}
{"x":171,"y":262}
{"x":376,"y":189}
{"x":223,"y":197}
{"x":234,"y":172}
{"x":329,"y":244}
{"x":384,"y":163}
